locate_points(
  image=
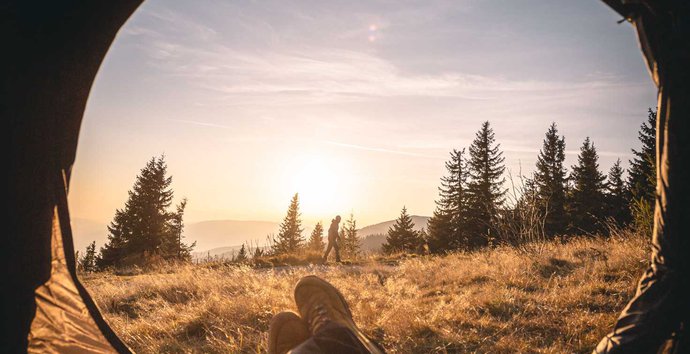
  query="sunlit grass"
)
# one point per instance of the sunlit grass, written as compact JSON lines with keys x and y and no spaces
{"x":561,"y":299}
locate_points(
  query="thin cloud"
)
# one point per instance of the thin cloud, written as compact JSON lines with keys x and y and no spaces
{"x":315,"y":75}
{"x":328,"y":75}
{"x":203,"y":124}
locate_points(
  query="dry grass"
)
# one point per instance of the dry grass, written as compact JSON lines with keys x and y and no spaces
{"x":561,"y":299}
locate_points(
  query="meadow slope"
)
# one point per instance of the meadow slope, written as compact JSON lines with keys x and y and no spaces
{"x":555,"y":298}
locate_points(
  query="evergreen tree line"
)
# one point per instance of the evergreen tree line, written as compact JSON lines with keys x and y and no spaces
{"x":145,"y":228}
{"x":472,"y":209}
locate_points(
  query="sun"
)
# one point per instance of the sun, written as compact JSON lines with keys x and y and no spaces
{"x":321,"y":184}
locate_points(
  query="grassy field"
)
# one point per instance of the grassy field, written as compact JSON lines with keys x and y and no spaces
{"x":554,"y":298}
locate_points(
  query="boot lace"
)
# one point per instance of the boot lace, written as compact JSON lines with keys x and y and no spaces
{"x":318,"y":316}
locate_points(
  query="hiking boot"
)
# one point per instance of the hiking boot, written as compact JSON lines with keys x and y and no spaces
{"x":320,"y":303}
{"x":286,"y":331}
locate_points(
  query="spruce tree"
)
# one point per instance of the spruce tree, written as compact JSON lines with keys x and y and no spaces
{"x":550,"y":182}
{"x":587,"y":196}
{"x":316,"y":238}
{"x":115,"y":248}
{"x":258,"y":253}
{"x":447,"y":225}
{"x":350,"y":241}
{"x":439,"y":236}
{"x":147,"y":206}
{"x":485,"y":187}
{"x":173,"y":247}
{"x":241,"y":255}
{"x":401,"y":236}
{"x":290,"y":238}
{"x":617,"y":208}
{"x":642,"y":176}
{"x":145,"y":227}
{"x":87,"y":263}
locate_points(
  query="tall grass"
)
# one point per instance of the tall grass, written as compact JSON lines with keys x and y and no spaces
{"x":561,"y":299}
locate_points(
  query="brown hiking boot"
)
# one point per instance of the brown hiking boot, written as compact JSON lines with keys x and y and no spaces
{"x":320,"y":303}
{"x":286,"y":331}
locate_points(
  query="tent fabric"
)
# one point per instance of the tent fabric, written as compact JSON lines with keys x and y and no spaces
{"x":52,"y":53}
{"x":63,"y":323}
{"x":657,"y":318}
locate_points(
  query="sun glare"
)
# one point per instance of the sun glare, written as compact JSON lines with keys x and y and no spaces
{"x":320,"y":182}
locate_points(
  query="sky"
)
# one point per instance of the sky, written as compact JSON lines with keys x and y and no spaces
{"x":353,"y":104}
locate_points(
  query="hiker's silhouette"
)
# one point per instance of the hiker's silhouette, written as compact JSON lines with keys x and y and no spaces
{"x":333,"y":240}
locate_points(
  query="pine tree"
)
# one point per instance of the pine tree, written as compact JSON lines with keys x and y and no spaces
{"x":350,"y":241}
{"x":241,"y":255}
{"x":401,"y":236}
{"x":617,"y":196}
{"x":147,"y":207}
{"x":290,"y":238}
{"x":642,"y":176}
{"x":550,"y":182}
{"x":114,"y":250}
{"x":87,"y":263}
{"x":485,"y":187}
{"x":439,"y":236}
{"x":258,"y":253}
{"x":145,"y":227}
{"x":447,"y":225}
{"x":173,"y":247}
{"x":316,"y":238}
{"x":587,"y":196}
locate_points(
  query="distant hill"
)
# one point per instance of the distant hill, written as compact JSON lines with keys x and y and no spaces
{"x":227,"y":233}
{"x":373,"y":236}
{"x":382,"y":227}
{"x":222,"y":252}
{"x":372,"y":243}
{"x":207,"y":234}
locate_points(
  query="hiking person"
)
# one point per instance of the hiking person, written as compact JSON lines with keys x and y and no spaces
{"x":333,"y":240}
